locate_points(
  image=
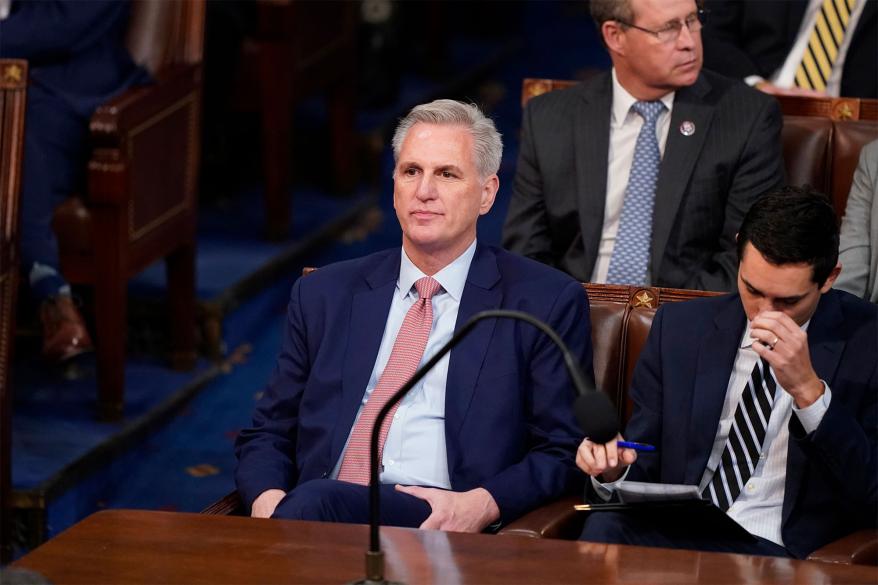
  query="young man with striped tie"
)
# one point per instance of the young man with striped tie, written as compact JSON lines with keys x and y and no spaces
{"x":772,"y":412}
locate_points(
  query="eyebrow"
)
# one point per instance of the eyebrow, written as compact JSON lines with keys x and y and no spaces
{"x":676,"y":21}
{"x":403,"y":164}
{"x":452,"y":168}
{"x":792,"y":300}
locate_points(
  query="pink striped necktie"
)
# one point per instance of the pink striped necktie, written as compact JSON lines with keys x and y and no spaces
{"x":408,"y":349}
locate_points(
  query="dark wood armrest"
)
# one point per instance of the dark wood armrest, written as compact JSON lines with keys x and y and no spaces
{"x":165,"y":112}
{"x":555,"y":520}
{"x":129,"y":110}
{"x":228,"y":505}
{"x":859,"y":548}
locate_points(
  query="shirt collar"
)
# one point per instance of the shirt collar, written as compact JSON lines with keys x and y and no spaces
{"x":622,"y":101}
{"x":452,"y":278}
{"x":747,"y":341}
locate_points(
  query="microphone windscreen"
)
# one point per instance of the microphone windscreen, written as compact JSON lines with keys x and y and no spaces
{"x":596,"y":416}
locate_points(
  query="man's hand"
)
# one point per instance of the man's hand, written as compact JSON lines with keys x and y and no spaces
{"x":266,"y":502}
{"x":784,"y":345}
{"x":772,"y":89}
{"x":468,"y":511}
{"x":607,"y":461}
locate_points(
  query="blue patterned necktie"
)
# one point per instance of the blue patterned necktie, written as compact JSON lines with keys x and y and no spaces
{"x":630,"y":258}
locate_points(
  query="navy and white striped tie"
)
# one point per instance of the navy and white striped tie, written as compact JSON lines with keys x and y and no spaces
{"x":746,"y":436}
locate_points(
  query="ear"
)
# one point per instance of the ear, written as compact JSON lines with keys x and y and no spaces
{"x":614,"y":36}
{"x":489,"y":193}
{"x":830,"y":280}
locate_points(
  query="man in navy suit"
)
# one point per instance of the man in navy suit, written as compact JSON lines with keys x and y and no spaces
{"x":813,"y":476}
{"x":488,"y":434}
{"x":77,"y":60}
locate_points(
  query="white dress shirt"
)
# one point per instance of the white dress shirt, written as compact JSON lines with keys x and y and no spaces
{"x":414,"y":452}
{"x":625,"y":125}
{"x":759,"y":506}
{"x":786,"y":76}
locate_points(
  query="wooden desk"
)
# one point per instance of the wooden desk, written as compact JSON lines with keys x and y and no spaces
{"x":124,"y":546}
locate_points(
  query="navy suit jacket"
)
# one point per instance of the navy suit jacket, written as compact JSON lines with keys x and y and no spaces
{"x":509,"y":426}
{"x":706,"y":183}
{"x":679,"y":387}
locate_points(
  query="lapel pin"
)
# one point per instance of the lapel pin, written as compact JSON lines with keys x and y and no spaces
{"x":687,"y":128}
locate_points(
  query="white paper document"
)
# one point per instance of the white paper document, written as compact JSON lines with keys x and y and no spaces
{"x":631,"y":492}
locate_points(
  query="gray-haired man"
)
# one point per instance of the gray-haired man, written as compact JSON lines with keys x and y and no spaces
{"x":488,"y":434}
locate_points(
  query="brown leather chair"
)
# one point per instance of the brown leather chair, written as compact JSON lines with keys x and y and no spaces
{"x":140,"y":205}
{"x":13,"y":87}
{"x":822,"y":140}
{"x":298,"y":49}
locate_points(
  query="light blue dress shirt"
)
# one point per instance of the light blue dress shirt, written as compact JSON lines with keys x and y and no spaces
{"x":414,"y":452}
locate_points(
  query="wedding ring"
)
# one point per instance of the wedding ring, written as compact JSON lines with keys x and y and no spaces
{"x":773,"y":343}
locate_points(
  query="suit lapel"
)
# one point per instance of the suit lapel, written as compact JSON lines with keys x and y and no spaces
{"x":465,"y":364}
{"x":369,"y":308}
{"x":591,"y":141}
{"x":826,"y":347}
{"x":678,"y":162}
{"x":716,"y":358}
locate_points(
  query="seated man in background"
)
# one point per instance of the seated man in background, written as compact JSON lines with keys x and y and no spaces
{"x":77,"y":59}
{"x":773,"y":413}
{"x":641,"y":175}
{"x":858,"y":250}
{"x":795,"y":47}
{"x":489,"y":432}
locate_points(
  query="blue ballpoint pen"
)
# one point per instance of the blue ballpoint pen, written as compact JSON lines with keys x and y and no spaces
{"x":635,"y":446}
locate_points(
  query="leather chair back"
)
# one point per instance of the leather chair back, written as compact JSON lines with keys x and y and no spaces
{"x":805,"y":149}
{"x":621,"y":317}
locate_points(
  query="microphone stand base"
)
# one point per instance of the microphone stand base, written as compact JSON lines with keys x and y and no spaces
{"x":375,"y":570}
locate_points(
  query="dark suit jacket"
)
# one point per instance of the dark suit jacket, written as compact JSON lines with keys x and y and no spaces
{"x":679,"y":387}
{"x":509,"y":426}
{"x":706,"y":183}
{"x":744,"y":38}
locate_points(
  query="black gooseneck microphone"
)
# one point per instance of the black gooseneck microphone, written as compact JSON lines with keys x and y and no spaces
{"x":593,"y":409}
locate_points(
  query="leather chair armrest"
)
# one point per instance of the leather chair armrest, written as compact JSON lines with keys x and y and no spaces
{"x":141,"y":112}
{"x":228,"y":505}
{"x":859,"y":548}
{"x":555,"y":520}
{"x":127,"y":112}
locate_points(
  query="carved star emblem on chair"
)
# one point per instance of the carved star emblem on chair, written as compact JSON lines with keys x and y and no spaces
{"x":644,"y":299}
{"x":12,"y":74}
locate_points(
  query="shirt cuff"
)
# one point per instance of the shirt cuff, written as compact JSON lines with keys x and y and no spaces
{"x":811,"y":416}
{"x":605,"y":490}
{"x":752,"y":80}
